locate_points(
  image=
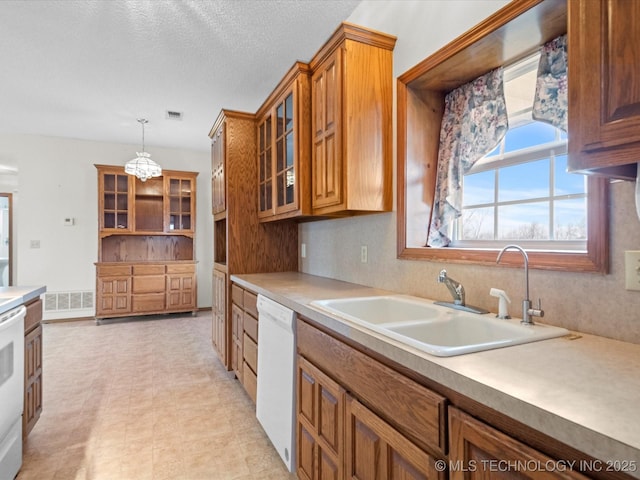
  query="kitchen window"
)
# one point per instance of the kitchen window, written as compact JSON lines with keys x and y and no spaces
{"x":521,"y":192}
{"x":420,"y":107}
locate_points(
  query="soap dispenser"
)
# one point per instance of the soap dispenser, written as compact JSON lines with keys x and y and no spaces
{"x":502,"y":303}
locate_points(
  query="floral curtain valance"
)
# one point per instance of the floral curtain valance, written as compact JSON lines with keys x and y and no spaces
{"x":474,"y":122}
{"x":550,"y":103}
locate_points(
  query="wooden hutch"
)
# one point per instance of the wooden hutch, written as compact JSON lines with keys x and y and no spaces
{"x":146,"y":263}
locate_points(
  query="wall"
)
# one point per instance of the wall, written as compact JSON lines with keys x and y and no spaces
{"x":57,"y":179}
{"x":589,"y":303}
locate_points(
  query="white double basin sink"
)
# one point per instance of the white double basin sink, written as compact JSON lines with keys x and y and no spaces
{"x":435,"y":329}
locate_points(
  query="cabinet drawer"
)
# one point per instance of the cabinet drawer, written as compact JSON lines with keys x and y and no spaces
{"x":249,"y":381}
{"x":148,"y":284}
{"x":251,"y":303}
{"x":181,"y":268}
{"x":113,"y":270}
{"x":251,"y":326}
{"x":148,"y":269}
{"x":147,"y":303}
{"x":250,"y":352}
{"x":237,"y":295}
{"x":419,"y":413}
{"x":34,"y":315}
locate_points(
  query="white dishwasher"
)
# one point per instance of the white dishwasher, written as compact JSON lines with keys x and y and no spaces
{"x":275,"y":401}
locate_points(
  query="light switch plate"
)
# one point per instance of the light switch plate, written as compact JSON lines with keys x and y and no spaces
{"x":632,"y":269}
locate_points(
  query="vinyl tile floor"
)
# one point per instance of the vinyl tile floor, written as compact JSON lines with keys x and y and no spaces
{"x":143,"y":399}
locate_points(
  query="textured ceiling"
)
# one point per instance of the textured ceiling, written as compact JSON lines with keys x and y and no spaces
{"x":88,"y":69}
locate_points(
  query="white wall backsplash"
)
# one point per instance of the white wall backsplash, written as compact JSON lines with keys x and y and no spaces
{"x":590,"y":303}
{"x":57,"y":179}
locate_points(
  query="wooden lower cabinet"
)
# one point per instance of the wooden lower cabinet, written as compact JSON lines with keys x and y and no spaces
{"x":244,"y":338}
{"x":32,"y":367}
{"x":237,"y":334}
{"x":360,"y":418}
{"x":219,"y":314}
{"x":181,"y":292}
{"x":145,"y":288}
{"x":320,"y":424}
{"x":339,"y":438}
{"x":114,"y":294}
{"x":375,"y":450}
{"x":479,"y":451}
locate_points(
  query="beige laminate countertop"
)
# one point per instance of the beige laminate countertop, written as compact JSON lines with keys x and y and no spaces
{"x":583,"y":392}
{"x":12,"y":297}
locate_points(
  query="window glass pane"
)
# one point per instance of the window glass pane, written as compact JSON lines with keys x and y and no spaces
{"x":566,"y":183}
{"x":570,"y":221}
{"x":529,"y":221}
{"x":479,"y":188}
{"x":477,"y":224}
{"x":495,"y":151}
{"x":524,"y":181}
{"x":529,"y":135}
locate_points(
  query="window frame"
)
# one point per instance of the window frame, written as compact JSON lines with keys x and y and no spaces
{"x":420,"y":106}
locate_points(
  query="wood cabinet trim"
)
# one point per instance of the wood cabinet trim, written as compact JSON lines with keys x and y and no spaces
{"x":350,"y":31}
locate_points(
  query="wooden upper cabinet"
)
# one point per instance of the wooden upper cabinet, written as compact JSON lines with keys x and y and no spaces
{"x":351,"y":101}
{"x":114,"y":200}
{"x":160,"y":205}
{"x":180,"y":205}
{"x":284,"y":156}
{"x":218,"y":192}
{"x":327,"y":172}
{"x":604,"y":87}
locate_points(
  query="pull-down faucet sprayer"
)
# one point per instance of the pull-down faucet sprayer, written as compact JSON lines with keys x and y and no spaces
{"x":527,"y":311}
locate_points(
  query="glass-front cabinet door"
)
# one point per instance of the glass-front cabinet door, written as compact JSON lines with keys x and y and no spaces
{"x":115,"y":190}
{"x":285,"y":173}
{"x":265,"y":171}
{"x":180,"y":213}
{"x":284,"y":156}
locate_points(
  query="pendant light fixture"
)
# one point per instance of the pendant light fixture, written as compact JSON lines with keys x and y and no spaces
{"x":142,"y":166}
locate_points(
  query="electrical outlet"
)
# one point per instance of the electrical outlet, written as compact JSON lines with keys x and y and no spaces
{"x":632,"y":269}
{"x":303,"y":250}
{"x":364,"y":255}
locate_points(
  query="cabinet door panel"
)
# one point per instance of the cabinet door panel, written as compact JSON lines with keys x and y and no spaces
{"x":320,"y":419}
{"x":218,"y":196}
{"x":218,"y":314}
{"x":475,"y":446}
{"x":327,"y":467}
{"x":114,"y":295}
{"x":115,"y":191}
{"x":604,"y":101}
{"x":306,"y":397}
{"x":365,"y":452}
{"x":32,"y":379}
{"x":330,"y":415}
{"x":327,"y":154}
{"x":306,"y":447}
{"x":377,"y":451}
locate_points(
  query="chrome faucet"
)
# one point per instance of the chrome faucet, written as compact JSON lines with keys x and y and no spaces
{"x":527,"y":311}
{"x":457,"y":292}
{"x":456,"y":288}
